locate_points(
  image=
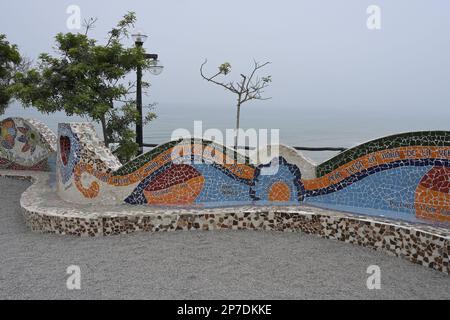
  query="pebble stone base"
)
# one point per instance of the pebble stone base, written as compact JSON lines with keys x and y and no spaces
{"x":45,"y":212}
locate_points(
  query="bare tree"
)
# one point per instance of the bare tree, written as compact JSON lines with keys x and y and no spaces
{"x":249,"y":87}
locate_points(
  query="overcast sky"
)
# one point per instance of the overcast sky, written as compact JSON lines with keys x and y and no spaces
{"x":322,"y":53}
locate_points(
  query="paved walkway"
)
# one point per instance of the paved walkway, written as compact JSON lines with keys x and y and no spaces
{"x":197,"y":265}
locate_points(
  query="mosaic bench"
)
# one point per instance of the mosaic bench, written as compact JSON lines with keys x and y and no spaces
{"x":45,"y":212}
{"x":362,"y":196}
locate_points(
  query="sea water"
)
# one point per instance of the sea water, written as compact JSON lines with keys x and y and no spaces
{"x":330,"y":126}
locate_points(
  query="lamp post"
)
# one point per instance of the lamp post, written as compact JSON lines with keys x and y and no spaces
{"x":139,"y":39}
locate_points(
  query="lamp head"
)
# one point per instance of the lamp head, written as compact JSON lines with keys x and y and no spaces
{"x":139,"y":37}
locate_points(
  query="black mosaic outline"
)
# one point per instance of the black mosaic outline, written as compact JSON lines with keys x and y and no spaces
{"x":140,"y":161}
{"x":367,"y":172}
{"x":292,"y":168}
{"x":137,"y":197}
{"x":409,"y":139}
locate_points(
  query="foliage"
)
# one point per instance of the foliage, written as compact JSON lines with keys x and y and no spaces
{"x":10,"y":61}
{"x":225,"y":68}
{"x":88,"y":79}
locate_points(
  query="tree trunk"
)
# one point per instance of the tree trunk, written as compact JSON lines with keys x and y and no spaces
{"x":106,"y":137}
{"x":104,"y":129}
{"x":236,"y":135}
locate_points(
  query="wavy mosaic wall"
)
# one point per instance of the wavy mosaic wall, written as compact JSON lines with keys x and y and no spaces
{"x":175,"y":173}
{"x":25,"y":144}
{"x":406,"y":175}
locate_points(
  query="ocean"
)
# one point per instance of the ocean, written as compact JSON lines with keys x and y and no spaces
{"x":298,"y":126}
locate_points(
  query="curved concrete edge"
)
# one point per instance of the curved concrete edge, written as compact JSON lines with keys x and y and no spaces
{"x":45,"y":212}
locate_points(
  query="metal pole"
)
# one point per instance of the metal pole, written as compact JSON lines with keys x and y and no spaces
{"x":139,"y":129}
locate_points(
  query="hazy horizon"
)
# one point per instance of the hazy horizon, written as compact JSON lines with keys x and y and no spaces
{"x":334,"y":80}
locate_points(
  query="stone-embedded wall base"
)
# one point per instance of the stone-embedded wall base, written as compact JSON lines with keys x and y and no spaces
{"x":45,"y":212}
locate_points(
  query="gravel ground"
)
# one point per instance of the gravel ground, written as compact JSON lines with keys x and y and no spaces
{"x":198,"y":265}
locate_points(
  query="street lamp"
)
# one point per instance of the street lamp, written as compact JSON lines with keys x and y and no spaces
{"x":139,"y":38}
{"x":156,"y":69}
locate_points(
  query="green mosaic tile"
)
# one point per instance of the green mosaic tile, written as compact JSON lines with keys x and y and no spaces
{"x":138,"y":162}
{"x":421,"y":138}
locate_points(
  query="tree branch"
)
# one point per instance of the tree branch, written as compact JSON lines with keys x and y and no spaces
{"x":256,"y":67}
{"x":248,"y":88}
{"x":89,"y":24}
{"x":228,"y":86}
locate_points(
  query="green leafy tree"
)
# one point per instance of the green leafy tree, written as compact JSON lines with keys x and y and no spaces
{"x":89,"y":79}
{"x":10,"y":61}
{"x":248,"y":87}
